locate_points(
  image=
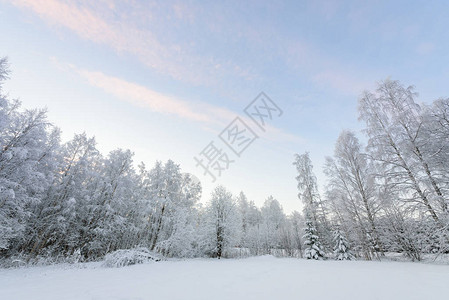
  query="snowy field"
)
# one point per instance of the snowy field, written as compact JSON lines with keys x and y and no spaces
{"x":253,"y":278}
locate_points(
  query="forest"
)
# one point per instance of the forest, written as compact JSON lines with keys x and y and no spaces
{"x":66,"y":201}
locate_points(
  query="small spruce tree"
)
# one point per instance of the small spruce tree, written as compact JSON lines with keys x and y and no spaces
{"x":313,"y":248}
{"x":342,"y":250}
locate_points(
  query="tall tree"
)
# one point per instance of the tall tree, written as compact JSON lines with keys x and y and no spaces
{"x":314,"y":207}
{"x":273,"y":224}
{"x":394,"y":128}
{"x":25,"y":164}
{"x":222,"y":222}
{"x":352,"y":185}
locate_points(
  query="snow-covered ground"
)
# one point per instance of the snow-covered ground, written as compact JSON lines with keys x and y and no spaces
{"x":253,"y":278}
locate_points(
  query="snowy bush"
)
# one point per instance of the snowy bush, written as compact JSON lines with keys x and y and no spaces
{"x":13,"y":262}
{"x":127,"y":257}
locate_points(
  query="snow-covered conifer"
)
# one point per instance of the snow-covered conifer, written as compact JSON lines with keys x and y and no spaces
{"x":342,"y":250}
{"x":313,"y":248}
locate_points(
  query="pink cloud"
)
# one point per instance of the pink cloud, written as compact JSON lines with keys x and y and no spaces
{"x":211,"y":116}
{"x":143,"y":97}
{"x":100,"y":26}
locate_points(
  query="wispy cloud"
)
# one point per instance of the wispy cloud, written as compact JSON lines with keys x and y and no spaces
{"x":144,"y":97}
{"x":150,"y":32}
{"x":80,"y":20}
{"x":213,"y":117}
{"x":97,"y":22}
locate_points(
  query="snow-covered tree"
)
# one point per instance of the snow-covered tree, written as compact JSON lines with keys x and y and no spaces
{"x":313,"y":204}
{"x":342,"y":249}
{"x":170,"y":195}
{"x":66,"y":199}
{"x":351,"y":191}
{"x":296,"y":224}
{"x":273,"y":224}
{"x":222,"y":226}
{"x":26,"y":154}
{"x":397,"y":141}
{"x":253,"y":238}
{"x":243,"y":208}
{"x":312,"y":244}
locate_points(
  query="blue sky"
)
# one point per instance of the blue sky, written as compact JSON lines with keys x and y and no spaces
{"x":165,"y":78}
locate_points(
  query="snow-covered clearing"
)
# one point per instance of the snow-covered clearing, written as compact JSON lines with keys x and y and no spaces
{"x":253,"y":278}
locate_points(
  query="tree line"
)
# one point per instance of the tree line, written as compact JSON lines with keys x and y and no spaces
{"x":66,"y":200}
{"x":392,"y":194}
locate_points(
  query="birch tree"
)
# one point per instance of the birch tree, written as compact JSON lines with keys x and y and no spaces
{"x":352,"y":184}
{"x":395,"y":141}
